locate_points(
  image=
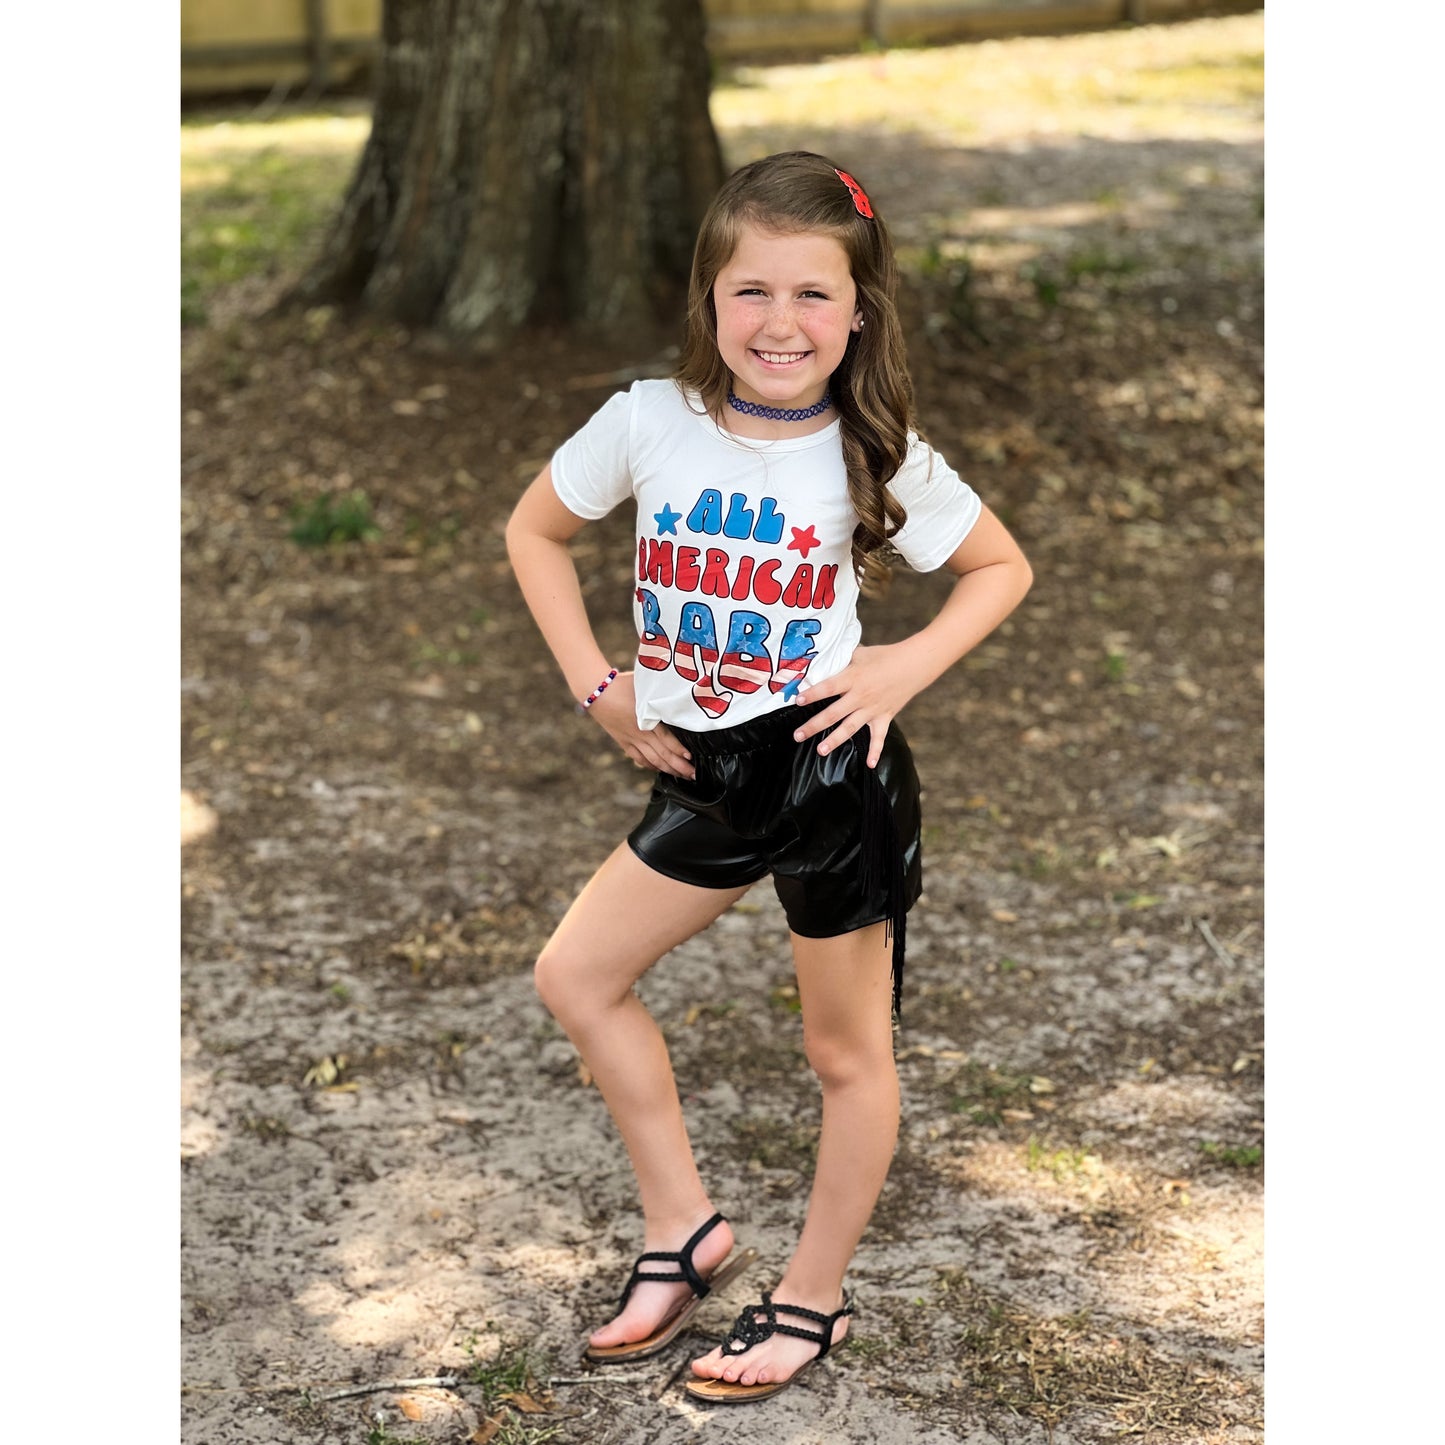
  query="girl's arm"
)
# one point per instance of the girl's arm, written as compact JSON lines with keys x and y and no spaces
{"x":993,"y":576}
{"x":537,"y":535}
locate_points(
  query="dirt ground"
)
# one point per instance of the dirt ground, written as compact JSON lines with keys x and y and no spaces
{"x":393,"y":1166}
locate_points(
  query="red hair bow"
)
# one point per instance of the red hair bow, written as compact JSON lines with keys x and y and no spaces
{"x":860,"y":200}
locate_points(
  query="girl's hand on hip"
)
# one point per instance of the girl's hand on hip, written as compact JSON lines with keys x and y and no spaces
{"x":616,"y":711}
{"x":871,"y":691}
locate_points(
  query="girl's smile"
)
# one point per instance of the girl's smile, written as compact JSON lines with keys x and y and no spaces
{"x":785,"y":308}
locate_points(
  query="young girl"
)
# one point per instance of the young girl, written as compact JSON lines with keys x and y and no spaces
{"x":766,"y":474}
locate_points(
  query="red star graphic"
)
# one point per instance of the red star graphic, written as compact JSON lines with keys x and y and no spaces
{"x":803,"y":541}
{"x":638,"y":594}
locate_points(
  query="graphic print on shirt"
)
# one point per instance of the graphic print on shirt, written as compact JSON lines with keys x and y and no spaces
{"x":744,"y":662}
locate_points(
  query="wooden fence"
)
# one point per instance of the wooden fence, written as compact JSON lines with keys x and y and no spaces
{"x":229,"y":45}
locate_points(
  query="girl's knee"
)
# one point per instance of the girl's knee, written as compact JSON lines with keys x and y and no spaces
{"x":568,"y":983}
{"x":555,"y":977}
{"x":841,"y":1060}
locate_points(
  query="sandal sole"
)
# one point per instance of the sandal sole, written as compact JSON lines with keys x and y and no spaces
{"x":670,"y":1329}
{"x":728,"y":1392}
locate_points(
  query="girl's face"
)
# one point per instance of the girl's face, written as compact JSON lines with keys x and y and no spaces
{"x":785,"y":306}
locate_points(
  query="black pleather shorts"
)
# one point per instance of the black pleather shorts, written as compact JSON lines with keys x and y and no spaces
{"x":842,"y":840}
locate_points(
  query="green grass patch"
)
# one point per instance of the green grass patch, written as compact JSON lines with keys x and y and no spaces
{"x":424,"y":533}
{"x":430,"y":654}
{"x":333,"y":517}
{"x":1066,"y":1163}
{"x":1245,"y":1156}
{"x":1127,"y":898}
{"x":785,"y":997}
{"x":983,"y":1092}
{"x":1232,"y":80}
{"x":513,"y":1379}
{"x":778,"y":1144}
{"x":257,"y":196}
{"x":1053,"y":277}
{"x":380,"y":1435}
{"x":947,"y":279}
{"x":1048,"y":287}
{"x":1095,"y":261}
{"x":265,"y":1127}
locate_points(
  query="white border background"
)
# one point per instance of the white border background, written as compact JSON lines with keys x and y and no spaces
{"x":91,"y":1073}
{"x":1354,"y":476}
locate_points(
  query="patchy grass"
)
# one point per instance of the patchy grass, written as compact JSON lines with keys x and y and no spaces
{"x":429,"y":654}
{"x":1092,"y":266}
{"x":1052,"y":1368}
{"x":333,"y":518}
{"x":256,"y":195}
{"x":515,"y":1368}
{"x":512,"y":1381}
{"x":1201,"y":77}
{"x":265,"y":1127}
{"x":520,"y":1432}
{"x":1062,"y":1163}
{"x":484,"y":942}
{"x":785,"y":997}
{"x":777,"y":1143}
{"x":1246,"y":1156}
{"x":380,"y":1435}
{"x":983,"y":1092}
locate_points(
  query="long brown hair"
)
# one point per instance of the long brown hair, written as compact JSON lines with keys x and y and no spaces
{"x":788,"y":193}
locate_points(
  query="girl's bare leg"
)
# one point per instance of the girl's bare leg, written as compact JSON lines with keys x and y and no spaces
{"x":846,"y":991}
{"x":621,"y":923}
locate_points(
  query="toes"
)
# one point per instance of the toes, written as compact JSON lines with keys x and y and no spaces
{"x":620,"y":1331}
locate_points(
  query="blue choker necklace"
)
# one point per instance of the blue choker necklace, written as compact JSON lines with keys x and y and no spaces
{"x":781,"y":413}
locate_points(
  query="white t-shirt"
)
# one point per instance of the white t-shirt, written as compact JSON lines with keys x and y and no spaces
{"x":745,"y":581}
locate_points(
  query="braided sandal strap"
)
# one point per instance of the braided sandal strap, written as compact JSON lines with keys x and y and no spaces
{"x":748,"y":1330}
{"x":685,"y":1274}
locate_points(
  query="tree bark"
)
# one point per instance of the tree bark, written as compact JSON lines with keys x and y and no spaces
{"x":529,"y":161}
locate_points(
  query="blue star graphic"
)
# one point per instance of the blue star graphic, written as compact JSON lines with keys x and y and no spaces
{"x":667,"y":519}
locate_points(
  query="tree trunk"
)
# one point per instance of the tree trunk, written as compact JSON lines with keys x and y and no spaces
{"x":529,"y":161}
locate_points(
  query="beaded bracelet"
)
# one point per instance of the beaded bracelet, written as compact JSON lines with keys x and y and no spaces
{"x":597,"y":692}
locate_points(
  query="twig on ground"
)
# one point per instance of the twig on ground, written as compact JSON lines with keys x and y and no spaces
{"x":444,"y":1382}
{"x":599,"y":1379}
{"x":1220,"y":951}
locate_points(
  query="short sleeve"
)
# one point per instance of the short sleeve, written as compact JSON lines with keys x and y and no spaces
{"x":591,"y":470}
{"x":941,"y":506}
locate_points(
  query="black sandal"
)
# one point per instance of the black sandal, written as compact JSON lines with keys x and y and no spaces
{"x":748,"y":1331}
{"x":687,"y":1274}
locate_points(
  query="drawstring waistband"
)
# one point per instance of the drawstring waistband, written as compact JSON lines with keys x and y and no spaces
{"x":771,"y":729}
